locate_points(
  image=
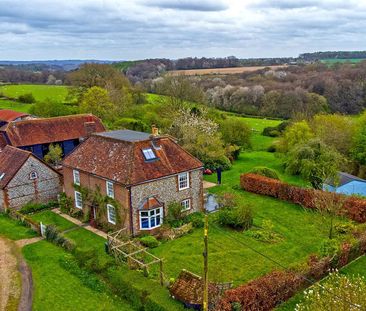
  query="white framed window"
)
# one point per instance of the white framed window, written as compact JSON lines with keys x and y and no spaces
{"x":76,"y":177}
{"x":33,"y":175}
{"x":148,"y":154}
{"x":186,"y":204}
{"x":151,"y":219}
{"x":78,"y":200}
{"x":110,"y":189}
{"x":111,"y":214}
{"x":183,"y":181}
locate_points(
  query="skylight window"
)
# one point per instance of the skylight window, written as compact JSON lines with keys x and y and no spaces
{"x":149,"y":154}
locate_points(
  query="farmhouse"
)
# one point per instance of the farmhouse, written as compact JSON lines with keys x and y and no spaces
{"x":25,"y":178}
{"x":7,"y":116}
{"x":36,"y":135}
{"x":347,"y":184}
{"x":138,"y":173}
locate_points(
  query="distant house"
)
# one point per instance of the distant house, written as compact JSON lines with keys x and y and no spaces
{"x":7,"y":116}
{"x":142,"y":173}
{"x":347,"y":184}
{"x":36,"y":135}
{"x":25,"y":178}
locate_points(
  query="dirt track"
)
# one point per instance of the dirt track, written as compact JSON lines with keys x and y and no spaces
{"x":9,"y":275}
{"x":15,"y":279}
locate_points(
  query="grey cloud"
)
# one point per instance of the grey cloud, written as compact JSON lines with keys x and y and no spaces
{"x":188,"y":5}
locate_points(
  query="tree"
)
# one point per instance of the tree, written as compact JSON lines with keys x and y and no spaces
{"x":296,"y":134}
{"x":96,"y":101}
{"x":236,"y":132}
{"x":359,"y":142}
{"x":50,"y":108}
{"x":315,"y":161}
{"x":330,"y":205}
{"x":337,"y":292}
{"x":179,"y":89}
{"x":54,"y":155}
{"x":199,"y":135}
{"x":335,"y":130}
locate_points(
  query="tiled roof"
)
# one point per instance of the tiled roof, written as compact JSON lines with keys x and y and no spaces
{"x":11,"y":160}
{"x":10,"y":115}
{"x":123,"y":161}
{"x":50,"y":130}
{"x":150,"y":203}
{"x":343,"y":179}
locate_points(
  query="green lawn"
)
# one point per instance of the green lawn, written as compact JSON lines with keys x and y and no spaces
{"x":40,"y":92}
{"x":48,"y":217}
{"x":12,"y":230}
{"x":56,"y":288}
{"x":13,"y":105}
{"x":332,"y":61}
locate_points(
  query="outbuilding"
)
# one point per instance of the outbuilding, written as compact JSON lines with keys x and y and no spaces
{"x":24,"y":178}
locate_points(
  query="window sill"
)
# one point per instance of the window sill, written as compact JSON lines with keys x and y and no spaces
{"x":146,"y":229}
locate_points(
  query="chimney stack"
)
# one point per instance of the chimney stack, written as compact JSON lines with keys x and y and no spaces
{"x":90,"y":128}
{"x":154,"y":131}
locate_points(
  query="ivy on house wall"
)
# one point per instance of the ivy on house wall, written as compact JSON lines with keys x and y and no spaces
{"x":95,"y":198}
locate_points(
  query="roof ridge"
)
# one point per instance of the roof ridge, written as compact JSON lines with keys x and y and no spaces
{"x":53,"y":118}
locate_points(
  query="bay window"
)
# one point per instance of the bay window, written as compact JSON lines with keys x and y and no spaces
{"x":151,"y":219}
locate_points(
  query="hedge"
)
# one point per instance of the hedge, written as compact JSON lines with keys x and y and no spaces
{"x":274,"y":288}
{"x":354,"y":208}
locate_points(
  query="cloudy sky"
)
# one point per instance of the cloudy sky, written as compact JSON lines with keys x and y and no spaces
{"x":135,"y":29}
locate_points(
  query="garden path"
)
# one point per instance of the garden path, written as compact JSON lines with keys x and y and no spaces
{"x":80,"y":224}
{"x":9,"y":286}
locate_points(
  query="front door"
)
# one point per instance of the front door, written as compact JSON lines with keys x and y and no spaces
{"x":93,"y":216}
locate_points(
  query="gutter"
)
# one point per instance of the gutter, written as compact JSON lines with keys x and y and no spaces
{"x":131,"y":211}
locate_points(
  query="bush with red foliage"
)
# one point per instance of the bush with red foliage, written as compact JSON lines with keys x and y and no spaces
{"x":354,"y":208}
{"x":263,"y":293}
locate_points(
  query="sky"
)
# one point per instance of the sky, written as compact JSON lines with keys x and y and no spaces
{"x":138,"y":29}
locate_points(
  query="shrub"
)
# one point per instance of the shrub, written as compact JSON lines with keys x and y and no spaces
{"x":55,"y":237}
{"x":329,"y":248}
{"x":272,"y":148}
{"x":149,"y":241}
{"x":32,"y":207}
{"x":92,"y":260}
{"x":240,"y":218}
{"x":265,"y":171}
{"x":344,"y":228}
{"x":275,"y":131}
{"x":227,"y":199}
{"x":263,"y":293}
{"x":353,"y":208}
{"x":175,"y":217}
{"x":266,"y":233}
{"x":197,"y":219}
{"x":27,"y":98}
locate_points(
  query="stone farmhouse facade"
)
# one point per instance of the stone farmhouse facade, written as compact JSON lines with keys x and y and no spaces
{"x":36,"y":135}
{"x":24,"y":178}
{"x":139,"y":172}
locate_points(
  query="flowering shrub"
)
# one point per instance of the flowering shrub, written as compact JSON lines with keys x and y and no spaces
{"x":338,"y":292}
{"x":354,"y":208}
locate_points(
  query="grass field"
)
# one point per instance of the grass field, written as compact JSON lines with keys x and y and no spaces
{"x":332,"y":61}
{"x":13,"y":105}
{"x":14,"y":231}
{"x":59,"y":288}
{"x":40,"y":92}
{"x":221,"y":71}
{"x":49,"y":218}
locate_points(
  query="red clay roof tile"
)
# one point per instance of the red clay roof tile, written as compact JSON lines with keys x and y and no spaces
{"x":123,"y":161}
{"x":11,"y":160}
{"x":10,"y":115}
{"x":50,"y":130}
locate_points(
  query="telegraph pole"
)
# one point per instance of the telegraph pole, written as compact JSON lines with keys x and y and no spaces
{"x":205,"y":263}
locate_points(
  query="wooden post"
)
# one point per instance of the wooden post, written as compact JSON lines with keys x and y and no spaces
{"x":205,"y":263}
{"x":161,"y":273}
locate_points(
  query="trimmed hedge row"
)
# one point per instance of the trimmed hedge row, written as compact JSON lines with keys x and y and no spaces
{"x":354,"y":208}
{"x":268,"y":291}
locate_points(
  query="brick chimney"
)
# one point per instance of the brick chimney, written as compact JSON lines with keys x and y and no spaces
{"x":90,"y":128}
{"x":154,"y":131}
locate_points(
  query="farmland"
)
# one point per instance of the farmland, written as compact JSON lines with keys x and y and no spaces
{"x":222,"y":71}
{"x":332,"y":61}
{"x":10,"y":93}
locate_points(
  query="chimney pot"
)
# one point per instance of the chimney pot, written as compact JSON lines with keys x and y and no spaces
{"x":154,"y":131}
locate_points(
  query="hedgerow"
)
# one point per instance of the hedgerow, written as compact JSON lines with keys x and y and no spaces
{"x":354,"y":208}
